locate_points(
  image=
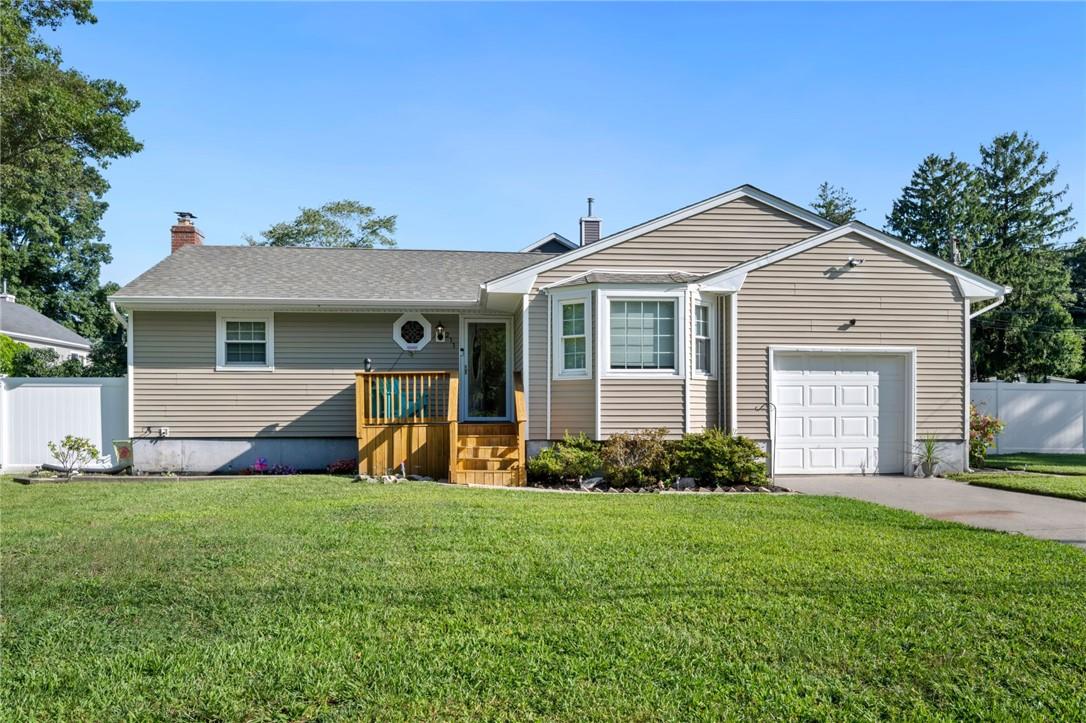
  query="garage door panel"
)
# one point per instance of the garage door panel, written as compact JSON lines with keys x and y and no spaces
{"x":856,"y":426}
{"x":790,"y":427}
{"x":855,"y":395}
{"x":821,"y":427}
{"x":789,"y":395}
{"x":840,"y":412}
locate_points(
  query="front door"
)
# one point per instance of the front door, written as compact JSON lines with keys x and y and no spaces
{"x":484,"y":365}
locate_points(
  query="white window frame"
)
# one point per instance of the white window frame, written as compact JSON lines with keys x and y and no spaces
{"x":681,"y":335}
{"x":709,"y":302}
{"x":558,"y":359}
{"x":220,"y":342}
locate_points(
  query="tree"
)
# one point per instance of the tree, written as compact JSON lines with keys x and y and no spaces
{"x":8,"y":348}
{"x":339,"y":224}
{"x":58,"y":132}
{"x":44,"y":362}
{"x":1021,"y":217}
{"x":940,"y":210}
{"x":834,"y":204}
{"x":1074,"y":257}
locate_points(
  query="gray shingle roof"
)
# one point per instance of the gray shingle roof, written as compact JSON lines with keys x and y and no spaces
{"x":18,"y":320}
{"x":263,"y":272}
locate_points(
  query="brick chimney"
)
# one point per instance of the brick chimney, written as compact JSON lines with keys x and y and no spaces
{"x":184,"y":232}
{"x":590,"y":226}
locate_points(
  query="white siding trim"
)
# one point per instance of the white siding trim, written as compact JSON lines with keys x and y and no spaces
{"x":525,"y":363}
{"x":130,"y":352}
{"x":966,"y":377}
{"x":733,"y":363}
{"x":549,"y":352}
{"x":597,"y":307}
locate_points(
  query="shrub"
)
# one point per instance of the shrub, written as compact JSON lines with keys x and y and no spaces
{"x":575,"y":457}
{"x":347,"y":465}
{"x":713,"y":457}
{"x":983,"y":429}
{"x":73,"y":453}
{"x":636,"y":460}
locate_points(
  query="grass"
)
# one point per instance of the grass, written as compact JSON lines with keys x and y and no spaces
{"x":1069,"y":487}
{"x":314,"y":598}
{"x":1044,"y":463}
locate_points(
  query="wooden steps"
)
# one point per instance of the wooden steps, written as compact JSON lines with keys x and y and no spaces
{"x":489,"y":454}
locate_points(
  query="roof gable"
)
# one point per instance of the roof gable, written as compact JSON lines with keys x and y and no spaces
{"x":551,"y":243}
{"x":521,"y":280}
{"x":971,"y":285}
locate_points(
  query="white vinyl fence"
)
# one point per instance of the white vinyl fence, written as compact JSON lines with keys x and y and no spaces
{"x":1039,"y":417}
{"x":35,"y":411}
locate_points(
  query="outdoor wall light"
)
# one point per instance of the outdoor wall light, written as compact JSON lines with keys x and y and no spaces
{"x":439,"y":333}
{"x":854,"y":262}
{"x":369,"y":364}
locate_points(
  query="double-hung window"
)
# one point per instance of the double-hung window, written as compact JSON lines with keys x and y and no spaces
{"x":244,"y":342}
{"x":642,"y":334}
{"x":703,"y":342}
{"x":573,"y":338}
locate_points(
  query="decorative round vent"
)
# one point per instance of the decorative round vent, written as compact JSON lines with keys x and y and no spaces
{"x":411,"y":332}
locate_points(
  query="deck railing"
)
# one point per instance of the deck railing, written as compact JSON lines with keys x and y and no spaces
{"x":386,"y":398}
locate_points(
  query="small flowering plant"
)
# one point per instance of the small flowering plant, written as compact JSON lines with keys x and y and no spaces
{"x":983,"y":429}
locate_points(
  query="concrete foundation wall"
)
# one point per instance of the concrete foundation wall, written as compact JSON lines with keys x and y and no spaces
{"x":204,"y":456}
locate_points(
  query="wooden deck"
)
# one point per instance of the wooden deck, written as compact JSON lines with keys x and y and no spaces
{"x":407,"y":422}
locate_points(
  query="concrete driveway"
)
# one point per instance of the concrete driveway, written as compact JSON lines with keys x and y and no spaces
{"x":1048,"y":518}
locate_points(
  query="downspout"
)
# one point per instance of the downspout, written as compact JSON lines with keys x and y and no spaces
{"x":550,"y":352}
{"x":130,"y":353}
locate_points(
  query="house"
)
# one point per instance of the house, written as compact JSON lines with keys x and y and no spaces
{"x":837,"y":347}
{"x":27,"y":326}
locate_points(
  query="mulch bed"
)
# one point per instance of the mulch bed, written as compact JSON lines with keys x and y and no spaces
{"x":733,"y":489}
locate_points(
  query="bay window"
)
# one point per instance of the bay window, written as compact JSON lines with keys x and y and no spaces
{"x":642,"y":334}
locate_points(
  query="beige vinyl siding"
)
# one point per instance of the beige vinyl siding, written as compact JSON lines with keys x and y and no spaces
{"x":627,"y":405}
{"x":709,"y":241}
{"x":573,"y":407}
{"x":703,"y":404}
{"x":309,"y":394}
{"x":808,"y":299}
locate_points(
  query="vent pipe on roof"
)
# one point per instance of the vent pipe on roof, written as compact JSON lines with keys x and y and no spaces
{"x":590,"y":226}
{"x":184,"y":232}
{"x":5,"y":295}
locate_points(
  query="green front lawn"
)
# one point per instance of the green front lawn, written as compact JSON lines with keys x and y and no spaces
{"x":1073,"y":488}
{"x":314,"y":598}
{"x":1044,"y":463}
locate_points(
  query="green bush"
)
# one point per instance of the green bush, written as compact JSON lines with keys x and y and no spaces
{"x":637,"y":460}
{"x":575,"y":457}
{"x":715,"y":458}
{"x":983,"y":429}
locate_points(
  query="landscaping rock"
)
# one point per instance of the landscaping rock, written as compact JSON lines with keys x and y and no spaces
{"x":591,"y":483}
{"x":685,"y":483}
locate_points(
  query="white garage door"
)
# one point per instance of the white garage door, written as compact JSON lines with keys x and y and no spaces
{"x":840,"y":412}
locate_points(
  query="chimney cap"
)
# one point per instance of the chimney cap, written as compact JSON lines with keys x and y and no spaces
{"x":185,"y":216}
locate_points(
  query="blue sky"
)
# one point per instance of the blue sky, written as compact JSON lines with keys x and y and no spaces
{"x":484,"y":126}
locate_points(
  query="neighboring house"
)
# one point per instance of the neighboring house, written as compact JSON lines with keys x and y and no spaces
{"x":23,"y":324}
{"x":836,"y":347}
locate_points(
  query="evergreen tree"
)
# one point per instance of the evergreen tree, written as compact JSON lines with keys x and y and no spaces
{"x":1074,"y":257}
{"x":940,"y":210}
{"x":834,"y":204}
{"x":1032,"y":333}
